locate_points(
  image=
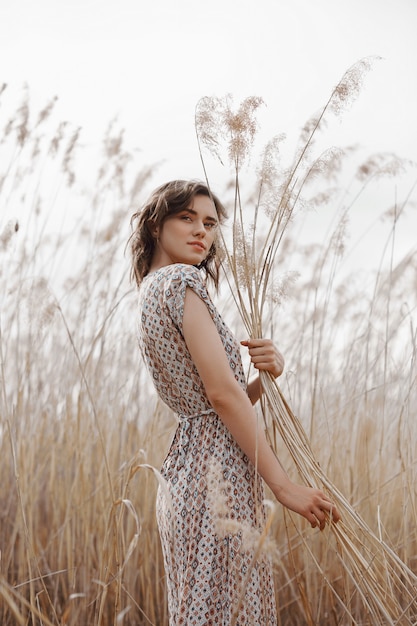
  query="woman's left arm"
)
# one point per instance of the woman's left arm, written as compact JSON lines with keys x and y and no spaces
{"x":265,"y":356}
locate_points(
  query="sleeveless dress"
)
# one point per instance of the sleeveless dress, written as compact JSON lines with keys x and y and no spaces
{"x":212,"y":519}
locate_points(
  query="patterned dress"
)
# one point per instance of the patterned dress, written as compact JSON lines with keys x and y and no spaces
{"x":212,"y":519}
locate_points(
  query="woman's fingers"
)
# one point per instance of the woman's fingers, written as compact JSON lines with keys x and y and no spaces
{"x":320,"y":509}
{"x":311,"y":503}
{"x":324,"y":512}
{"x":265,"y":356}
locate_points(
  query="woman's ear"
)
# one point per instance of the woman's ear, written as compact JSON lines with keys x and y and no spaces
{"x":154,"y":230}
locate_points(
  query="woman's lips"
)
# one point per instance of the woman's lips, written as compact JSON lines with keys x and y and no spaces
{"x":197,"y":244}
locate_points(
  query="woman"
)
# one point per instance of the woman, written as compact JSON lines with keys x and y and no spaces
{"x":195,"y":364}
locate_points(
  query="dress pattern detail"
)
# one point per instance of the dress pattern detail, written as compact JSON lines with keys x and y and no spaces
{"x":211,"y":576}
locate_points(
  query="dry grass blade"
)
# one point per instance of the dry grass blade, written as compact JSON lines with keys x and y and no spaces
{"x":377,"y":573}
{"x":9,"y":594}
{"x":12,"y":605}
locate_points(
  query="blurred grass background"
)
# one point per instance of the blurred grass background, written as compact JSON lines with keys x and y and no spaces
{"x":81,"y":428}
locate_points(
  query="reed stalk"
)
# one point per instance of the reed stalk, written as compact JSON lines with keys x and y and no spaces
{"x":385,"y":586}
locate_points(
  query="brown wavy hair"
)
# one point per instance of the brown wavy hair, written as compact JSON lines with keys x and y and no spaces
{"x":169,"y":199}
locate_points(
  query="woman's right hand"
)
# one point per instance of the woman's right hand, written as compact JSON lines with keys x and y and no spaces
{"x":311,"y":503}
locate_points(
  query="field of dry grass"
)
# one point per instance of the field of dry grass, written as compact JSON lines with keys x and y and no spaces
{"x":81,"y":429}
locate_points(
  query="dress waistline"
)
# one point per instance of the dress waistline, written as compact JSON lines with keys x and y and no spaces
{"x":184,"y":418}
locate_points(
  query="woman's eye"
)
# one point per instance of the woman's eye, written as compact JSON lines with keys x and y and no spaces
{"x":210,"y":225}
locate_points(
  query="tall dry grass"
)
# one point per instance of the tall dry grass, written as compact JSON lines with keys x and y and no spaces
{"x":385,"y":587}
{"x":81,"y":429}
{"x":77,"y":418}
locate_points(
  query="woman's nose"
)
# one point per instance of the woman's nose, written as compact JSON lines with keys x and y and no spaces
{"x":199,"y":228}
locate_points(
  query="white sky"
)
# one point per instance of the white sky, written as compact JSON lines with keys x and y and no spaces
{"x":150,"y":61}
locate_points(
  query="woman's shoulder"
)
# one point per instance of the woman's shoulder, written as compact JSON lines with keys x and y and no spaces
{"x":177,"y":272}
{"x":168,"y":285}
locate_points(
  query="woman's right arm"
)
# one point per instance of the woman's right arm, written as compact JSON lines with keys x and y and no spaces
{"x":234,"y":408}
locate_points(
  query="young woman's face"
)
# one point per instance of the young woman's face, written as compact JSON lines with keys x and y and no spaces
{"x":187,"y":236}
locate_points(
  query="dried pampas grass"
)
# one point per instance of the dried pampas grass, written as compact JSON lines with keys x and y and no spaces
{"x":386,"y":587}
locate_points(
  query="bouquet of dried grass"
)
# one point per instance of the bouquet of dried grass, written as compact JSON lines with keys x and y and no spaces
{"x":386,"y":587}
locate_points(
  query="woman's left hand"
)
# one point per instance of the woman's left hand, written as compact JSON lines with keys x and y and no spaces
{"x":265,"y":355}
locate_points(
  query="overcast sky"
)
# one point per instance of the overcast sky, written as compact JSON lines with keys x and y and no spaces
{"x":149,"y":62}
